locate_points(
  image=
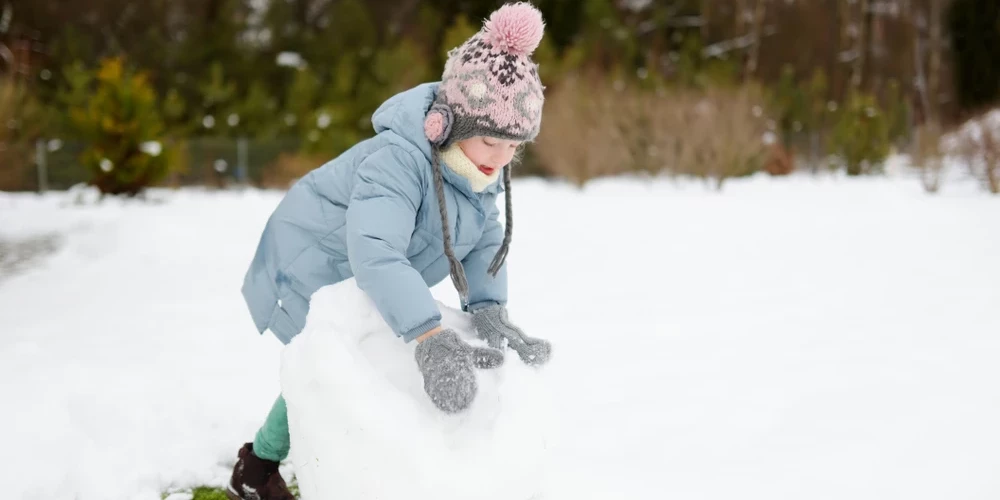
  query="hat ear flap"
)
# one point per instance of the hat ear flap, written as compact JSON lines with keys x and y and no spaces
{"x":437,"y":124}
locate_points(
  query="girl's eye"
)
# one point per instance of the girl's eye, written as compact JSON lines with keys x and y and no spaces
{"x":488,"y":143}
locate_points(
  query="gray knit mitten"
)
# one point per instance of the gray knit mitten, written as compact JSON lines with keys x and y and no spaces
{"x":446,"y":362}
{"x":495,"y":327}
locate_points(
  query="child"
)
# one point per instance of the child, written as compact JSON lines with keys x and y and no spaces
{"x":399,"y":212}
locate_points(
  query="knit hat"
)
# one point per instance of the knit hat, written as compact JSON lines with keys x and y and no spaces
{"x":490,"y":87}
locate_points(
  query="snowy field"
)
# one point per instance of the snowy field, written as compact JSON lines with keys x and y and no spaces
{"x":785,"y":339}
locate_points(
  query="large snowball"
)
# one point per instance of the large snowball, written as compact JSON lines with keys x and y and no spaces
{"x":363,"y":428}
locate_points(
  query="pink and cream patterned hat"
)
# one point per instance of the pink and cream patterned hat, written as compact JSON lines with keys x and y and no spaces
{"x":490,"y":85}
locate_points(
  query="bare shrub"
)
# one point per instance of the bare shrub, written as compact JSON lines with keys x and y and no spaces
{"x":720,"y":136}
{"x":928,"y":157}
{"x":585,"y":131}
{"x":978,"y":144}
{"x":596,"y":128}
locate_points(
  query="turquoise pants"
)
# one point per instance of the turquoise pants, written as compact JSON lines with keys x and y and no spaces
{"x":272,"y":441}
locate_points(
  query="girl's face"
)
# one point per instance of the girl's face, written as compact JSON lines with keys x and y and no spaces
{"x":488,"y":153}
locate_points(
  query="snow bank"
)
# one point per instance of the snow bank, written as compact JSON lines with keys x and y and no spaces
{"x":786,"y":339}
{"x":363,"y":428}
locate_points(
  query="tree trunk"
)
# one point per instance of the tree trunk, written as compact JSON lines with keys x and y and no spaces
{"x":861,"y":45}
{"x":757,"y":31}
{"x":740,"y":28}
{"x":839,"y":71}
{"x":741,"y":7}
{"x":706,"y":10}
{"x":921,"y":75}
{"x":934,"y":65}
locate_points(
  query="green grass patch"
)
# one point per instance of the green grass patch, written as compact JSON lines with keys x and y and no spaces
{"x":211,"y":493}
{"x":205,"y":493}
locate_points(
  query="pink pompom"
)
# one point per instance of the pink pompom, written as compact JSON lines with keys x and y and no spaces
{"x":434,"y":126}
{"x":515,"y":28}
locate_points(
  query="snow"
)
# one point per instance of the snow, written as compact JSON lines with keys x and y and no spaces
{"x":784,"y":339}
{"x":341,"y":451}
{"x":973,"y":130}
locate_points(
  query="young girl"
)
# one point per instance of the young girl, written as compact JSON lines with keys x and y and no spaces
{"x":401,"y":211}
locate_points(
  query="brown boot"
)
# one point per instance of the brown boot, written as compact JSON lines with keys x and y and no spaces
{"x":256,"y":479}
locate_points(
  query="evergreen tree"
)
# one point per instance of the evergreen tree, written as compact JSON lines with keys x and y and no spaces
{"x":121,"y":124}
{"x":861,"y":135}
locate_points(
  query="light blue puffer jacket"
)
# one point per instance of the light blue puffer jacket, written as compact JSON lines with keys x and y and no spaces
{"x":372,"y":213}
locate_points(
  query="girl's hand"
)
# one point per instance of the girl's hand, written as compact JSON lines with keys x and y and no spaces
{"x":446,"y":363}
{"x":495,"y":327}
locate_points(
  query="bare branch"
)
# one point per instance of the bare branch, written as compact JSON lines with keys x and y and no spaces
{"x":719,"y":48}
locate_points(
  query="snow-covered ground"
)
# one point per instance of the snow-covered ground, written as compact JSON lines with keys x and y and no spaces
{"x":785,"y":339}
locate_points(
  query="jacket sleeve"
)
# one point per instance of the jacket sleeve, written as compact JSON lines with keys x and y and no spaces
{"x":381,"y":216}
{"x":484,"y":289}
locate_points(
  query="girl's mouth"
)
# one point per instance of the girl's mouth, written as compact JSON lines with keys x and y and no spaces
{"x":487,"y":170}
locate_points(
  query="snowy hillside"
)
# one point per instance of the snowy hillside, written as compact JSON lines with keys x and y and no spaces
{"x":786,"y":339}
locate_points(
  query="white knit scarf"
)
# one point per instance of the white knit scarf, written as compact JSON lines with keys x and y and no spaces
{"x":456,"y":160}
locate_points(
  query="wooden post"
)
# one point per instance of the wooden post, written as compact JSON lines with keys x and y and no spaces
{"x":242,"y":169}
{"x":42,"y":166}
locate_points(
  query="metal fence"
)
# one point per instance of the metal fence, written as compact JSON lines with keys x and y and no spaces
{"x":54,"y":164}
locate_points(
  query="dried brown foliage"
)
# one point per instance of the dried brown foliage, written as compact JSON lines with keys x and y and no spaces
{"x":977,"y":143}
{"x":594,"y":129}
{"x":928,"y":157}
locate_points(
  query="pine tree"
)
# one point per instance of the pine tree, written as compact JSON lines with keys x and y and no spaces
{"x":861,"y":135}
{"x":121,"y":123}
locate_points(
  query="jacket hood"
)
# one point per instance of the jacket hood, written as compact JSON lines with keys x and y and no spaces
{"x":404,"y":113}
